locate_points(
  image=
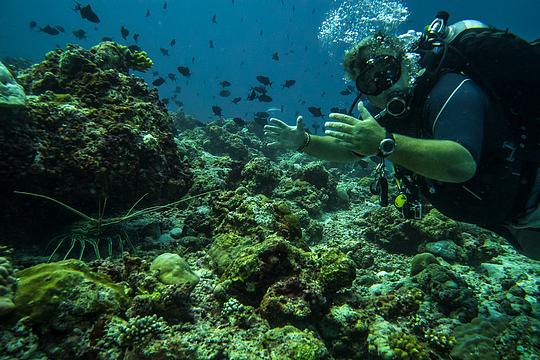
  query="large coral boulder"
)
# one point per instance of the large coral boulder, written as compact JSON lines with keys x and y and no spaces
{"x":249,"y":267}
{"x":89,"y":131}
{"x":290,"y":343}
{"x":66,"y":294}
{"x":173,"y":269}
{"x":11,"y":93}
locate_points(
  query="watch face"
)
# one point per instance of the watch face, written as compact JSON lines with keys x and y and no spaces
{"x":387,"y":146}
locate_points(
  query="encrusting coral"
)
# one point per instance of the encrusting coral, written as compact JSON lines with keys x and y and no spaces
{"x":61,"y":295}
{"x":8,"y":284}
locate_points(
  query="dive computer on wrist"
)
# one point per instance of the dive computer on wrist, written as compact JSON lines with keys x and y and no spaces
{"x":387,"y":145}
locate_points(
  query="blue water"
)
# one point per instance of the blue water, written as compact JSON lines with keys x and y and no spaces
{"x":240,"y":52}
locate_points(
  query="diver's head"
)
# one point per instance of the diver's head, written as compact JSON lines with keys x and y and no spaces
{"x":380,"y":68}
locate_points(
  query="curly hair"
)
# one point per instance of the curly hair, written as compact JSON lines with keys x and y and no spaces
{"x":379,"y":43}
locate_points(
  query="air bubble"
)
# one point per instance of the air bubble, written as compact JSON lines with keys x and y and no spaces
{"x":352,"y":20}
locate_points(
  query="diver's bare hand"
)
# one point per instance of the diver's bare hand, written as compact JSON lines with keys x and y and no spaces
{"x":360,"y":135}
{"x":284,"y":136}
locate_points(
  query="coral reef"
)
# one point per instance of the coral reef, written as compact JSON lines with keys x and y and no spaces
{"x":11,"y":93}
{"x":393,"y":233}
{"x":172,"y":269}
{"x":289,"y":343}
{"x":285,"y":258}
{"x":8,"y":284}
{"x":449,"y":291}
{"x":66,"y":294}
{"x":19,"y":342}
{"x":89,"y":131}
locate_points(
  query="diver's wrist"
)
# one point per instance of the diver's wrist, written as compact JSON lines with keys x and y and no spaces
{"x":305,"y":142}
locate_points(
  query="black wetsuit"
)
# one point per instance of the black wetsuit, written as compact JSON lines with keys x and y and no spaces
{"x":457,"y":109}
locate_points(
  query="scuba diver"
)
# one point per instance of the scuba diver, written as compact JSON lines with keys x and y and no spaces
{"x":455,"y":112}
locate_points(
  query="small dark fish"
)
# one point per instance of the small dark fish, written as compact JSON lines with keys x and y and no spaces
{"x":184,"y":70}
{"x":173,"y":42}
{"x":224,"y":93}
{"x":165,"y":5}
{"x":262,"y":114}
{"x":217,"y":110}
{"x":106,"y":38}
{"x":179,"y":103}
{"x":252,"y":96}
{"x":136,"y":38}
{"x":172,"y":76}
{"x":193,"y":60}
{"x":49,"y":30}
{"x":265,"y":98}
{"x":238,"y":121}
{"x":260,"y":89}
{"x":134,"y":48}
{"x":260,"y":121}
{"x":32,"y":24}
{"x":211,"y":44}
{"x":345,"y":92}
{"x":288,"y":83}
{"x":261,"y":33}
{"x":87,"y":12}
{"x":214,"y":19}
{"x":236,"y":100}
{"x":159,"y":81}
{"x":261,"y":118}
{"x":124,"y":32}
{"x":60,"y":28}
{"x":178,"y":90}
{"x":80,"y":34}
{"x":275,"y":56}
{"x":338,"y":110}
{"x":155,"y":73}
{"x":164,"y":51}
{"x":315,"y":111}
{"x":165,"y":101}
{"x":264,"y":80}
{"x":147,"y":13}
{"x":225,"y":83}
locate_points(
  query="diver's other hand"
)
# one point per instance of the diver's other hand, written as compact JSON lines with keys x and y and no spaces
{"x":361,"y":135}
{"x":284,"y":136}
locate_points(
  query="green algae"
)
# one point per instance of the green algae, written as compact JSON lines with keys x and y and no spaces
{"x":66,"y":292}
